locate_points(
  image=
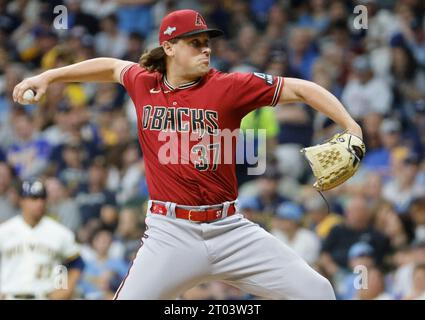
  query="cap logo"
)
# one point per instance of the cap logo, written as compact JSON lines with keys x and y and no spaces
{"x":170,"y":30}
{"x":36,"y":188}
{"x":200,"y":20}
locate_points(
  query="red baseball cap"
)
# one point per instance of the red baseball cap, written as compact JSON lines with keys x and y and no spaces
{"x":184,"y":23}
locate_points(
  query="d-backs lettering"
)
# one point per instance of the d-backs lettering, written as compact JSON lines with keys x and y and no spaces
{"x":180,"y":119}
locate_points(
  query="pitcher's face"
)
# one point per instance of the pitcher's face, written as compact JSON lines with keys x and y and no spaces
{"x":192,"y":54}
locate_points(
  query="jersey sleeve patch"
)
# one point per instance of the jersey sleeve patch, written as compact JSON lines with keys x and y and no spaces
{"x":268,"y":79}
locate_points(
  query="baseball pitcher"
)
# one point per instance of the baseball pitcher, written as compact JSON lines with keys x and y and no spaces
{"x":185,"y":110}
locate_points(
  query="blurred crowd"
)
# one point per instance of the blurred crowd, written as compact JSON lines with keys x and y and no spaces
{"x":82,"y":138}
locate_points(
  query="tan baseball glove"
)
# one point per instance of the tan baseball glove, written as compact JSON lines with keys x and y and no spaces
{"x":336,"y":160}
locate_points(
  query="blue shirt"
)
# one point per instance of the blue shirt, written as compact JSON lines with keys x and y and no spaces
{"x":95,"y":269}
{"x":378,"y":160}
{"x":29,"y":158}
{"x":304,"y":69}
{"x":90,"y":203}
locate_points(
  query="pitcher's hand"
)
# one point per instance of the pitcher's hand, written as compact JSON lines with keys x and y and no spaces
{"x":38,"y":84}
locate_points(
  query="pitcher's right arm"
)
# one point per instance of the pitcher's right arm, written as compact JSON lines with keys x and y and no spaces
{"x":93,"y":70}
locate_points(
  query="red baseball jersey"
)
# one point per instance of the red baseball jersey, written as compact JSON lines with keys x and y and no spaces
{"x":180,"y":130}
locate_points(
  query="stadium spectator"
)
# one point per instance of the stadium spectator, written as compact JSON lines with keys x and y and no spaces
{"x":320,"y":219}
{"x":72,"y":170}
{"x":7,"y":208}
{"x":403,"y":186}
{"x":286,"y":226}
{"x":418,"y":290}
{"x":356,"y":227}
{"x":405,"y":263}
{"x":389,"y":145}
{"x":76,"y":17}
{"x":128,"y":234}
{"x":302,"y":53}
{"x":110,"y":41}
{"x":375,"y":288}
{"x":417,"y":214}
{"x":29,"y":153}
{"x":60,"y":206}
{"x":92,"y":196}
{"x":398,"y":228}
{"x":102,"y":274}
{"x":359,"y":95}
{"x":269,"y":197}
{"x":353,"y":278}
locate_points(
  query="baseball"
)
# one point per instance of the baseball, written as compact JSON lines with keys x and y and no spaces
{"x":28,"y":96}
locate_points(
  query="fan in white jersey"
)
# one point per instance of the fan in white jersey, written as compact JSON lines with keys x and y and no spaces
{"x":39,"y":258}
